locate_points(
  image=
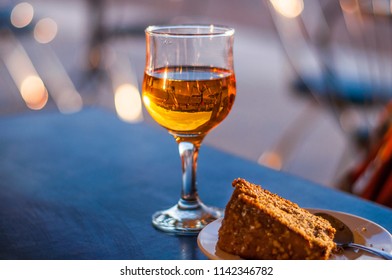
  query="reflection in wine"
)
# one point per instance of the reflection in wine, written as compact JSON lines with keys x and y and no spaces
{"x":191,"y":105}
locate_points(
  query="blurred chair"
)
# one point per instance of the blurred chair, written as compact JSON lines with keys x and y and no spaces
{"x":102,"y":30}
{"x":341,"y":52}
{"x":108,"y":61}
{"x":371,"y":178}
{"x":112,"y":25}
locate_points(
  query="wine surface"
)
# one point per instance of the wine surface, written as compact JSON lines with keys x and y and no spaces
{"x":189,"y":101}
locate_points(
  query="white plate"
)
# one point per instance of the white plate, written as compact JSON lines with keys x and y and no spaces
{"x":365,"y":232}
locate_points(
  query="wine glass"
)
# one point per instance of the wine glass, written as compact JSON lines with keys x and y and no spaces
{"x":189,"y":87}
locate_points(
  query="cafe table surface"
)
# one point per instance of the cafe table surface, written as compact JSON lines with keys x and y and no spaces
{"x":84,"y":186}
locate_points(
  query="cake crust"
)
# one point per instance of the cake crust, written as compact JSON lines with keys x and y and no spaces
{"x":261,"y":225}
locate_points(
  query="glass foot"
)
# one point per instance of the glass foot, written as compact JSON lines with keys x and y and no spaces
{"x":185,"y":222}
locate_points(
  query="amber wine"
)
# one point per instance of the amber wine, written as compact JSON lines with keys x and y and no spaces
{"x":189,"y":101}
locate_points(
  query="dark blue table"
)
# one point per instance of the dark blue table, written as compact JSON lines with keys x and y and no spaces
{"x":84,"y":186}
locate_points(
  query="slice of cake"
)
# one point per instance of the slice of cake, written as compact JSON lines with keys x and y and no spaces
{"x":261,"y":225}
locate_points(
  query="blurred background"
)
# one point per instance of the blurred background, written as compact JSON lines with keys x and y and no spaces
{"x":313,"y":77}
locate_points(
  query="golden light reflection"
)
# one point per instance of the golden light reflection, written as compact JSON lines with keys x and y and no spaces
{"x":288,"y":8}
{"x":165,"y":78}
{"x":128,"y":103}
{"x":22,"y":15}
{"x":146,"y":100}
{"x":45,"y":30}
{"x":271,"y":159}
{"x":33,"y":92}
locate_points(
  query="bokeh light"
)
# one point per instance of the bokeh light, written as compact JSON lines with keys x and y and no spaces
{"x":22,"y":15}
{"x":69,"y":101}
{"x":288,"y":8}
{"x":128,"y":103}
{"x":271,"y":159}
{"x":33,"y":92}
{"x":45,"y":30}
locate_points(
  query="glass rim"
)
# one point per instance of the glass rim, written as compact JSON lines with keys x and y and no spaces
{"x":190,"y":30}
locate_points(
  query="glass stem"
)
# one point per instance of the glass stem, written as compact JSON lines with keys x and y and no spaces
{"x":189,"y":197}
